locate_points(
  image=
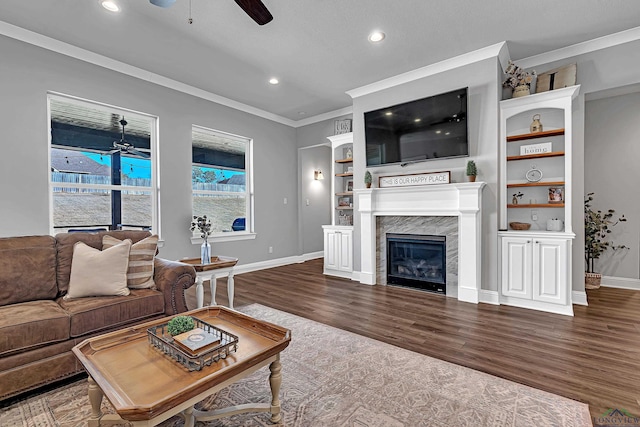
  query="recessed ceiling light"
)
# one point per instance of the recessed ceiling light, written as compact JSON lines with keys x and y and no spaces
{"x":447,"y":133}
{"x":438,"y":131}
{"x":376,"y":36}
{"x":110,"y":5}
{"x":274,"y":81}
{"x":388,"y":113}
{"x":417,"y":120}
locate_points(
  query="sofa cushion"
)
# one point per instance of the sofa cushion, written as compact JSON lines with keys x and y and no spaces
{"x":94,"y":314}
{"x":31,"y":324}
{"x":65,"y":242}
{"x":27,"y":269}
{"x":140,"y":271}
{"x":99,"y":273}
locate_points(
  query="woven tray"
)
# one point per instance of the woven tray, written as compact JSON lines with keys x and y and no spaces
{"x":160,"y":339}
{"x":519,"y":225}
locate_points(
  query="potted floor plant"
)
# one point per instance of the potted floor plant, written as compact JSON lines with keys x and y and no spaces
{"x":597,"y":227}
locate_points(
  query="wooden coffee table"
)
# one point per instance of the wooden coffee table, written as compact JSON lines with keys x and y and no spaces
{"x":146,"y":387}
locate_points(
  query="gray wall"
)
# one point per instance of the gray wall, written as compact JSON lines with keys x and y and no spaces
{"x":611,"y":154}
{"x":317,"y":212}
{"x":314,"y":152}
{"x":28,"y":72}
{"x":482,"y":79}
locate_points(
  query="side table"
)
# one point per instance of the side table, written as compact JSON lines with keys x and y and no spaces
{"x":220,"y":266}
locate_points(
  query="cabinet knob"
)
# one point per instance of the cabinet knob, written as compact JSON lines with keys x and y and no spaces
{"x":537,"y":241}
{"x":528,"y":241}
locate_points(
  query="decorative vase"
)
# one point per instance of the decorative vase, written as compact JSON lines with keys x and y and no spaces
{"x":514,"y":200}
{"x":592,"y":280}
{"x":205,"y":252}
{"x":471,"y":178}
{"x":519,"y":91}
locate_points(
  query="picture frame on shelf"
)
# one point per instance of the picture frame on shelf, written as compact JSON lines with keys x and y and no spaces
{"x":556,"y":195}
{"x":349,"y":186}
{"x":344,"y":201}
{"x":557,"y":78}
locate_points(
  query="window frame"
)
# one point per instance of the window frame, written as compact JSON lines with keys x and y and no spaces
{"x":153,"y":144}
{"x":249,"y":232}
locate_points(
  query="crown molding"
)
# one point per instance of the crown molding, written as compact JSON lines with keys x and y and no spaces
{"x":429,"y":70}
{"x":588,"y":46}
{"x":324,"y":116}
{"x":45,"y":42}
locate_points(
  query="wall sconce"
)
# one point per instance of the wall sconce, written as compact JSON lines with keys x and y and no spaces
{"x":317,"y":175}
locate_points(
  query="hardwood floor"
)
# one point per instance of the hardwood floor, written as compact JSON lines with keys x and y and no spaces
{"x":593,"y":357}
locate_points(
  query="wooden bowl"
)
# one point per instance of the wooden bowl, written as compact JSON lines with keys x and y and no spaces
{"x":520,"y":225}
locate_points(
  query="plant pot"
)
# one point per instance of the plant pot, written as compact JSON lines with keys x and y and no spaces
{"x":519,"y":91}
{"x":592,"y":280}
{"x":471,"y":178}
{"x":368,"y":184}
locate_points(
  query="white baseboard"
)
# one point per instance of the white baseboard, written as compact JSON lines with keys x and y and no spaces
{"x":620,"y":282}
{"x":489,"y":297}
{"x":579,"y":297}
{"x":278,"y":262}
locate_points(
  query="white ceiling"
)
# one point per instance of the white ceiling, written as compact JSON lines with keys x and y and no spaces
{"x":317,"y":48}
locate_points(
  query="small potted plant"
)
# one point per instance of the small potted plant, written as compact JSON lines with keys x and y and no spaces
{"x":367,"y":179}
{"x":179,"y":325}
{"x":597,"y":226}
{"x":472,"y":171}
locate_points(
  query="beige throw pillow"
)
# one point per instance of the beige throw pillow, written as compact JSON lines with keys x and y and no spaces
{"x":99,"y":273}
{"x":140,"y":273}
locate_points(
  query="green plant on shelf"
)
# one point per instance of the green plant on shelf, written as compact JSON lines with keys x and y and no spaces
{"x":472,"y":169}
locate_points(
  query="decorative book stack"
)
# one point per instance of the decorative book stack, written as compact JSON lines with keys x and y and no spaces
{"x":197,"y":341}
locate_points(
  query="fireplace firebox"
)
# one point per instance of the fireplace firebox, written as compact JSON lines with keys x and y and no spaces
{"x":417,"y":261}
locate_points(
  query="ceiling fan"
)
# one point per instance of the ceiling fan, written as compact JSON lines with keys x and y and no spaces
{"x":126,"y":148}
{"x":254,"y":8}
{"x":456,"y":117}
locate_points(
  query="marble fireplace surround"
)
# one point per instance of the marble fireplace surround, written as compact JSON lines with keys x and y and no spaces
{"x":461,"y":200}
{"x":446,"y":226}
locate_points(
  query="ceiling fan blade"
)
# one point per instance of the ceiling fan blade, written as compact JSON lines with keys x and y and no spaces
{"x":138,"y":153}
{"x":162,"y":3}
{"x":256,"y":10}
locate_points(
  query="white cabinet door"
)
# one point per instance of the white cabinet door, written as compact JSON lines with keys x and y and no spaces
{"x":550,"y":270}
{"x":516,"y":267}
{"x":346,"y":252}
{"x":331,"y":249}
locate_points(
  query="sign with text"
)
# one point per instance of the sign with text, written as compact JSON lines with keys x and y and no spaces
{"x":415,"y":179}
{"x":545,"y":147}
{"x":341,"y":126}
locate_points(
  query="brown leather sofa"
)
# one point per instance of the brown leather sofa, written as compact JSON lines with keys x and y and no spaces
{"x":38,"y":327}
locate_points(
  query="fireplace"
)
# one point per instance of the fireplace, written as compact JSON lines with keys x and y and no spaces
{"x":417,"y":261}
{"x":461,"y":201}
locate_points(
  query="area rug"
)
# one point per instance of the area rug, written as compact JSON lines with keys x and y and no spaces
{"x":336,"y":378}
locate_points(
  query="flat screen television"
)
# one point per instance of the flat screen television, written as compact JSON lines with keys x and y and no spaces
{"x":415,"y":131}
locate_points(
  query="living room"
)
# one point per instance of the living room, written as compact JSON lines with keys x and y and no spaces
{"x":287,"y":229}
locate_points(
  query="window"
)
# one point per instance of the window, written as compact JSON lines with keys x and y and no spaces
{"x":221,"y":183}
{"x":101,"y":176}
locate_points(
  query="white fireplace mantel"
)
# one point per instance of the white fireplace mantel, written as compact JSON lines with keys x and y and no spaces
{"x":463,"y":200}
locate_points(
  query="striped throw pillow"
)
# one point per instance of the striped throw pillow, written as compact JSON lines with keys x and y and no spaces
{"x":140,"y":272}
